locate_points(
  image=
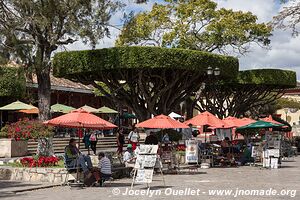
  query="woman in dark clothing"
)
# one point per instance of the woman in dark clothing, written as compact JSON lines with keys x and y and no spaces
{"x":120,"y":141}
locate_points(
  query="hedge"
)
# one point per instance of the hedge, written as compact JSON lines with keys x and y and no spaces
{"x":275,"y":77}
{"x":12,"y":82}
{"x":66,"y":64}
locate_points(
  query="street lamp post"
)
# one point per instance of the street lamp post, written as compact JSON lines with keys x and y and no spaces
{"x":210,"y":72}
{"x":286,"y":110}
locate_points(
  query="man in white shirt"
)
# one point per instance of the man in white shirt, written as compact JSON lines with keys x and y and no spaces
{"x":133,"y":138}
{"x":128,"y":157}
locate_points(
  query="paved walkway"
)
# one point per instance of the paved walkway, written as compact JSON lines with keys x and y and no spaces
{"x":205,"y":181}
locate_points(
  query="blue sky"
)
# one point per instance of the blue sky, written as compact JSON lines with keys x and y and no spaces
{"x":284,"y":52}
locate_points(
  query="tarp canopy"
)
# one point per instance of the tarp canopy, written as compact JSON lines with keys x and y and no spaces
{"x":80,"y":119}
{"x":60,"y":108}
{"x":260,"y":124}
{"x":175,"y":115}
{"x":90,"y":109}
{"x":162,"y":122}
{"x":107,"y":110}
{"x":18,"y":105}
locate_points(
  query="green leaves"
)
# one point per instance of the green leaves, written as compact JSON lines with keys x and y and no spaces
{"x":195,"y":25}
{"x":12,"y":82}
{"x":94,"y":62}
{"x":273,"y":77}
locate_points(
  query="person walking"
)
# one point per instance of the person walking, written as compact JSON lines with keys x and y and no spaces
{"x":133,"y":138}
{"x":86,"y":141}
{"x":120,"y":140}
{"x":93,"y":140}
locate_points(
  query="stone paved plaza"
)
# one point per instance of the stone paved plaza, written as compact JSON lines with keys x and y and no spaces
{"x":244,"y":178}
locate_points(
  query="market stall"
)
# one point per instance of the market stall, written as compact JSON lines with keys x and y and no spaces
{"x":167,"y":148}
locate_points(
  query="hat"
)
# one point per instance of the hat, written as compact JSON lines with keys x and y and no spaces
{"x":129,"y":146}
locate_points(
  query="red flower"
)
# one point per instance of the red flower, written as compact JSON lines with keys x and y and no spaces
{"x":17,"y":129}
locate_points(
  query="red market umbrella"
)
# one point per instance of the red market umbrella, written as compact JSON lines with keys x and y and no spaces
{"x":162,"y":122}
{"x":231,"y":121}
{"x":206,"y":118}
{"x":245,"y":121}
{"x":80,"y":119}
{"x":234,"y":122}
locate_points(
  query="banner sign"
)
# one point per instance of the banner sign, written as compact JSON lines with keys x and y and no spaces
{"x":191,"y":152}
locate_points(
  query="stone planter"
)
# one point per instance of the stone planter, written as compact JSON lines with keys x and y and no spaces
{"x":11,"y":148}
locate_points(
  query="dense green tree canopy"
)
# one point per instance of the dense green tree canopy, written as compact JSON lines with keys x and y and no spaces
{"x":12,"y":82}
{"x":195,"y":24}
{"x":31,"y":30}
{"x":149,"y":80}
{"x":251,"y":90}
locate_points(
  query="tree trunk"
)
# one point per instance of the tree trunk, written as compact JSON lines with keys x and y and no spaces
{"x":44,"y":94}
{"x":45,"y":147}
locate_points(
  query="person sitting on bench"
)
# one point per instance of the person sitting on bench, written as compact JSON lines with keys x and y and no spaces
{"x":74,"y":157}
{"x":104,"y":167}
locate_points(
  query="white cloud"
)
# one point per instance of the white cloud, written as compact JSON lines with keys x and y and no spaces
{"x":264,"y":10}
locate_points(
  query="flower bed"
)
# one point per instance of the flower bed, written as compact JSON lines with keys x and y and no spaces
{"x":25,"y":129}
{"x":41,"y":161}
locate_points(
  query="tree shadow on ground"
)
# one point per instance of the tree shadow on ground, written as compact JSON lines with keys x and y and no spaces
{"x":157,"y":187}
{"x":10,"y":194}
{"x":283,"y":166}
{"x":16,"y":184}
{"x":118,"y":184}
{"x":191,"y":173}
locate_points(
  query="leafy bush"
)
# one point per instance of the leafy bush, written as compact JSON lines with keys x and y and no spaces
{"x":25,"y":129}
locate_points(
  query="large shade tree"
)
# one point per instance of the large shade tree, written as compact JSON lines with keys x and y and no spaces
{"x":200,"y":25}
{"x":195,"y":24}
{"x":248,"y":93}
{"x":31,"y":30}
{"x":149,"y":80}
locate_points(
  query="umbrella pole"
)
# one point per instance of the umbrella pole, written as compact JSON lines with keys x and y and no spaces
{"x":77,"y":170}
{"x":1,"y":119}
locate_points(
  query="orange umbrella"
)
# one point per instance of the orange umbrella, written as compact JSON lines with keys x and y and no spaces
{"x":162,"y":122}
{"x":245,"y":121}
{"x":270,"y":119}
{"x":231,"y":121}
{"x":80,"y":119}
{"x":236,"y":122}
{"x":206,"y":118}
{"x":30,"y":111}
